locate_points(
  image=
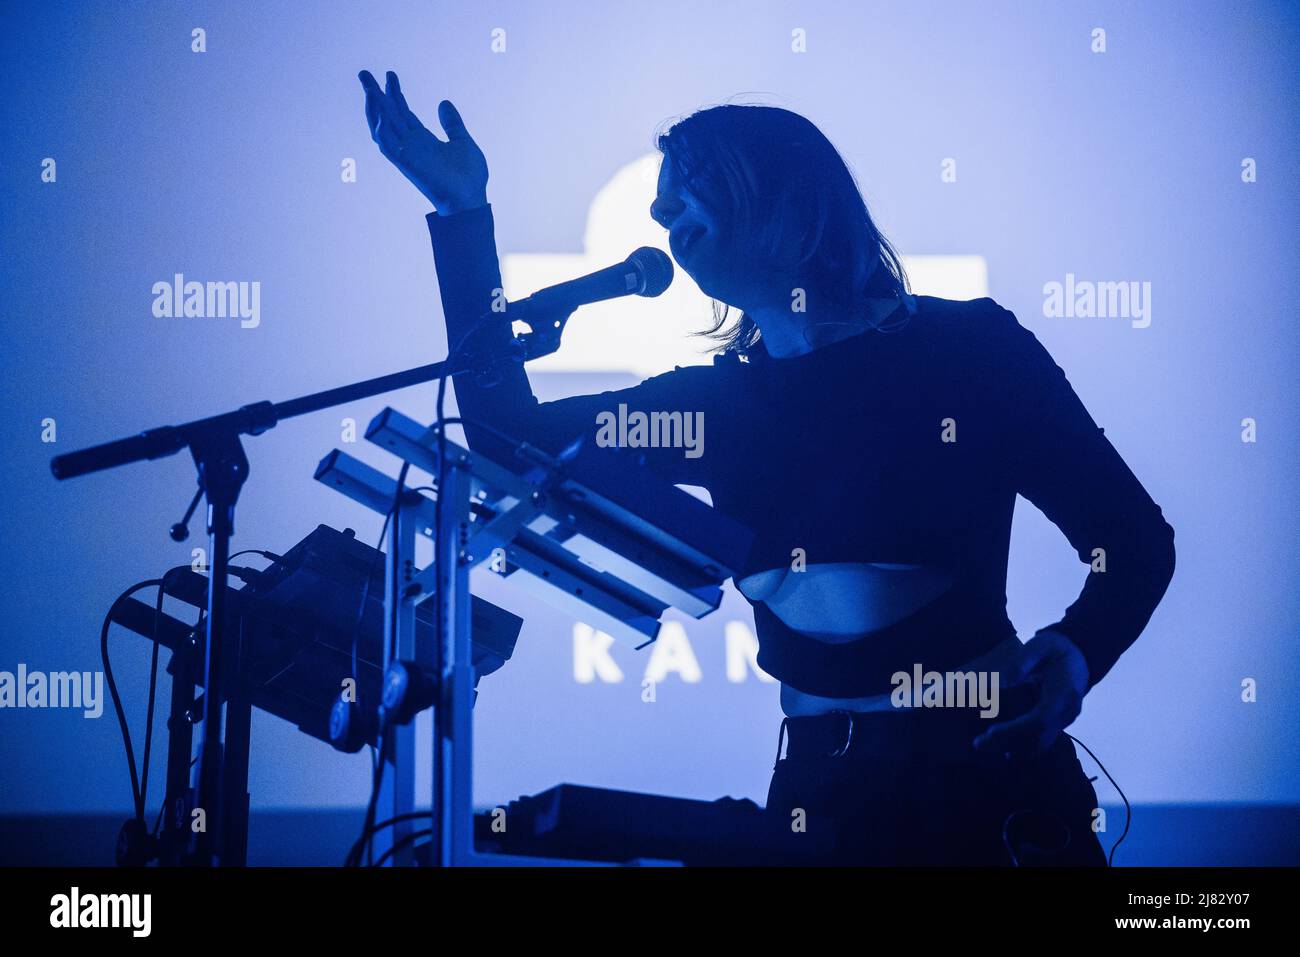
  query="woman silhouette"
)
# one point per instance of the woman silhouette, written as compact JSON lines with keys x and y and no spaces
{"x":875,"y":442}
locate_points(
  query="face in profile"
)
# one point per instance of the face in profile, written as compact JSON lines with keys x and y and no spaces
{"x":758,"y":204}
{"x":701,"y":240}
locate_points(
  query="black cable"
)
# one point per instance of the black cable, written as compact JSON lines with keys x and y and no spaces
{"x":369,"y":828}
{"x":1006,"y":835}
{"x":376,"y":782}
{"x":140,"y":777}
{"x":153,"y":677}
{"x":377,"y":776}
{"x":153,"y":681}
{"x":269,"y":556}
{"x":440,"y":428}
{"x":440,"y":424}
{"x":394,"y":516}
{"x":112,"y":690}
{"x":354,"y":853}
{"x":1128,"y":809}
{"x":453,"y":352}
{"x":401,"y":843}
{"x":370,"y":573}
{"x":361,"y":613}
{"x":365,"y":595}
{"x":153,"y":697}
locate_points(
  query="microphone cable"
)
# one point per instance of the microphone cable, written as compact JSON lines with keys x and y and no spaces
{"x":1128,"y":808}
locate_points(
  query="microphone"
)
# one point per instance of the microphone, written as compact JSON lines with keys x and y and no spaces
{"x":647,"y":272}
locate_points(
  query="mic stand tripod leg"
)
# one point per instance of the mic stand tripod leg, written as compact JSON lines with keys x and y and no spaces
{"x":223,"y":468}
{"x":234,"y":786}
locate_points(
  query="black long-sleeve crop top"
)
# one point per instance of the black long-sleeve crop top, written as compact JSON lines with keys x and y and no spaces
{"x":903,"y":447}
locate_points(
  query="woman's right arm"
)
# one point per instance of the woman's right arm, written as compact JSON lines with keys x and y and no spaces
{"x":469,"y":280}
{"x":453,"y":176}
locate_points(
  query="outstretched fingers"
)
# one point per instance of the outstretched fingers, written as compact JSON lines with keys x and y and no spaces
{"x":395,"y":95}
{"x":388,"y":124}
{"x":373,"y":95}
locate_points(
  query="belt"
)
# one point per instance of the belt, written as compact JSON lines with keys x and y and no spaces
{"x":943,"y":734}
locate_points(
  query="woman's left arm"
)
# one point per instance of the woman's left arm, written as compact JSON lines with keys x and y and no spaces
{"x":1063,"y":463}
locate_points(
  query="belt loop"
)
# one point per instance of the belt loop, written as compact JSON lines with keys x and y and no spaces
{"x":780,"y":740}
{"x":848,"y":738}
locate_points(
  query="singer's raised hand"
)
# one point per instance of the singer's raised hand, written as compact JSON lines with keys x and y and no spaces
{"x":453,"y":174}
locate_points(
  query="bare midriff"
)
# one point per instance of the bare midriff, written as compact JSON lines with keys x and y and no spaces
{"x":842,"y":602}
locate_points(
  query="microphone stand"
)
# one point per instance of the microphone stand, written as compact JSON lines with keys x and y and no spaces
{"x":222,"y":466}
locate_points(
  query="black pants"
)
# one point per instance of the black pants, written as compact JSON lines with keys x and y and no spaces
{"x":905,"y":788}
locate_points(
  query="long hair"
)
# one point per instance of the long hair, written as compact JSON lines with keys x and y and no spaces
{"x":784,"y":187}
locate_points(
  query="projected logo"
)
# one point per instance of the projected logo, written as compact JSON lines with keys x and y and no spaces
{"x":671,"y":655}
{"x":649,"y":336}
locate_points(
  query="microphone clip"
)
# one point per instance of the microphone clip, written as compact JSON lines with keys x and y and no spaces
{"x":545,"y":319}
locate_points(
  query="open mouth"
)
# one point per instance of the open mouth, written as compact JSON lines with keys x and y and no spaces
{"x":686,"y":237}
